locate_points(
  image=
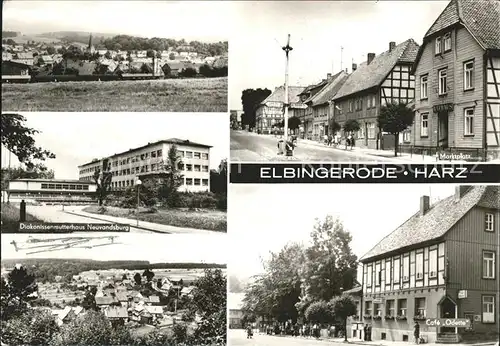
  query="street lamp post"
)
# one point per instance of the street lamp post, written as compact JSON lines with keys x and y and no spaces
{"x":287,"y":50}
{"x":138,"y":182}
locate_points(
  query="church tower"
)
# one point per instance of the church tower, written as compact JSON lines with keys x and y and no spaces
{"x":91,"y":48}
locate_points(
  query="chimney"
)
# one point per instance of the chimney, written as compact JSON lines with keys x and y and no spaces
{"x":461,"y":190}
{"x":392,"y":45}
{"x":424,"y":205}
{"x":371,"y":56}
{"x":354,"y":67}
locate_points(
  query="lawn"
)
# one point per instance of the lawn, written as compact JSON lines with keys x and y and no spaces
{"x":163,"y":95}
{"x":212,"y":220}
{"x":10,"y":218}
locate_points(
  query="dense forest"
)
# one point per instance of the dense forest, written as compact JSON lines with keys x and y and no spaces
{"x":7,"y":34}
{"x":46,"y":269}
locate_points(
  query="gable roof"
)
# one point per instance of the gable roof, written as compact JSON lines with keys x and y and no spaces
{"x":438,"y":220}
{"x":372,"y":75}
{"x":106,"y":300}
{"x":328,"y":92}
{"x":480,"y":17}
{"x":278,"y":95}
{"x":116,"y":312}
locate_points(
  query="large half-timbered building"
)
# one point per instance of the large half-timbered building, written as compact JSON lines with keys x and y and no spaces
{"x":458,"y":80}
{"x":383,"y":79}
{"x":440,"y":263}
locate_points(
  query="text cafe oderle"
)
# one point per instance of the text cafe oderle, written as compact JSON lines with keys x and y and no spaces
{"x":448,"y":322}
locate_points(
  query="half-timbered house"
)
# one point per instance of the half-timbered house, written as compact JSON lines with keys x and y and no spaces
{"x":383,"y":79}
{"x":458,"y":80}
{"x":440,"y":263}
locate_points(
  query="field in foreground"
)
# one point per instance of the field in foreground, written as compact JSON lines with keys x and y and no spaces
{"x":164,"y":95}
{"x":10,"y":218}
{"x":212,"y":220}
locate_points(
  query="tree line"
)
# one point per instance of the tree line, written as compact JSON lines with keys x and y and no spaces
{"x":300,"y":280}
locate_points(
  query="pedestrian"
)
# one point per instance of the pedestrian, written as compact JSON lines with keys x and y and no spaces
{"x":369,"y":329}
{"x":365,"y":332}
{"x":352,"y":141}
{"x":335,"y":140}
{"x":347,"y":141}
{"x":416,"y":332}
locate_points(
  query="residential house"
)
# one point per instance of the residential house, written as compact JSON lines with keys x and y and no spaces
{"x":235,"y":306}
{"x":458,"y":79}
{"x":105,"y":301}
{"x":123,"y":298}
{"x":116,"y":314}
{"x":67,"y":314}
{"x":155,"y":311}
{"x":43,"y":60}
{"x":440,"y":263}
{"x":24,"y":58}
{"x":355,"y":323}
{"x":381,"y":80}
{"x":14,"y":71}
{"x":322,"y":105}
{"x":187,"y":291}
{"x":154,"y":300}
{"x":306,"y":115}
{"x":173,"y":68}
{"x":270,"y":112}
{"x":6,"y":56}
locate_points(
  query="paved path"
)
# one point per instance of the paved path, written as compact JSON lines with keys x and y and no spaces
{"x":250,"y":147}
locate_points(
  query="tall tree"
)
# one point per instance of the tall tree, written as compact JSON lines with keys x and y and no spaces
{"x":103,"y":182}
{"x":35,"y":327}
{"x":172,"y":177}
{"x":343,"y":307}
{"x":294,"y":123}
{"x":218,"y":178}
{"x":137,"y":278}
{"x":250,"y":99}
{"x":148,"y":274}
{"x":395,"y":118}
{"x":19,"y":140}
{"x":88,"y":301}
{"x":319,"y":312}
{"x":37,"y":172}
{"x":330,"y":265}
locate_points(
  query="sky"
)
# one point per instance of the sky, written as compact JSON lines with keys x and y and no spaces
{"x":265,"y":218}
{"x":318,"y":30}
{"x":130,"y":246}
{"x":191,"y":20}
{"x":77,"y":138}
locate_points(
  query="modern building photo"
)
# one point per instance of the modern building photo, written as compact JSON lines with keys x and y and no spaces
{"x":101,"y":168}
{"x":427,"y":91}
{"x":404,"y":257}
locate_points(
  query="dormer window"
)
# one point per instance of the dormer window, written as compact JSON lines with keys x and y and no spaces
{"x":438,"y":45}
{"x":447,"y":42}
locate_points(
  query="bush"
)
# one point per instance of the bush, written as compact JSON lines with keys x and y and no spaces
{"x":222,"y":201}
{"x":179,"y":332}
{"x":193,"y":200}
{"x":102,"y":210}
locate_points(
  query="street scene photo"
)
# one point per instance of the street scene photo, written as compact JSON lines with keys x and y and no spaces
{"x":163,"y":173}
{"x":145,"y":290}
{"x":369,"y":264}
{"x":114,"y":56}
{"x":366,"y":81}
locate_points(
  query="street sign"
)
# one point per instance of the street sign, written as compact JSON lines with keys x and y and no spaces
{"x":462,"y":294}
{"x":448,"y":322}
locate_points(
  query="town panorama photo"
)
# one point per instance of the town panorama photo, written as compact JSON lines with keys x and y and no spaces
{"x":112,"y":56}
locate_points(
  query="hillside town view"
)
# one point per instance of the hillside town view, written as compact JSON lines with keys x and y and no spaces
{"x":55,"y":65}
{"x":431,"y":96}
{"x":82,"y":302}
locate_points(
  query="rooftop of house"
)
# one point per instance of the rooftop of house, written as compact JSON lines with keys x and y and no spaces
{"x":329,"y":91}
{"x":278,"y":95}
{"x":479,"y":16}
{"x":106,"y":300}
{"x":367,"y":76}
{"x":55,"y":181}
{"x":436,"y":221}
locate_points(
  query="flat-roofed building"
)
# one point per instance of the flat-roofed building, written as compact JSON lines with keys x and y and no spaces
{"x":148,"y":161}
{"x":51,"y":191}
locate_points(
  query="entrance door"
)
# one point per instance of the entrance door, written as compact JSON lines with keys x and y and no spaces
{"x":443,"y":130}
{"x":448,"y":310}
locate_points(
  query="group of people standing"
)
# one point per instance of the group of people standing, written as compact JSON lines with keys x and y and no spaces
{"x":306,"y":330}
{"x":336,"y":140}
